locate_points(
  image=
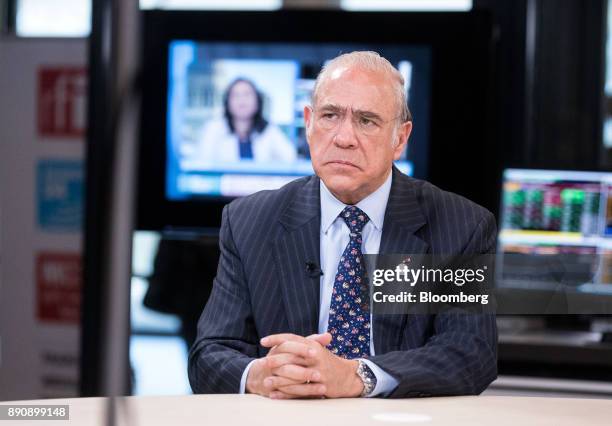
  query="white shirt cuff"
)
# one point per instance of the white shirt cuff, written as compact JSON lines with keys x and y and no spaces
{"x":245,"y":373}
{"x":385,"y":383}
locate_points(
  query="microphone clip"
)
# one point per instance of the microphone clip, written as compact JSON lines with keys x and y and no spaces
{"x":313,"y":270}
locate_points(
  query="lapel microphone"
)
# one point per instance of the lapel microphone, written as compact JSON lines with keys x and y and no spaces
{"x":313,"y":269}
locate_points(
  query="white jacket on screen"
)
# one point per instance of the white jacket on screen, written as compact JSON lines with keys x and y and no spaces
{"x":218,"y":144}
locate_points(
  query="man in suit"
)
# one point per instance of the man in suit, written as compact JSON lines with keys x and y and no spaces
{"x":289,"y":317}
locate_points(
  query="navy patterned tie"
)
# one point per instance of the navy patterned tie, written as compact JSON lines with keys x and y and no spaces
{"x":349,"y":312}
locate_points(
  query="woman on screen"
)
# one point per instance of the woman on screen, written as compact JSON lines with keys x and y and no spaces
{"x":243,"y":133}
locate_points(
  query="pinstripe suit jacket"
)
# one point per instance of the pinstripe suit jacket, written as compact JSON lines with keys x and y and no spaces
{"x":262,"y":288}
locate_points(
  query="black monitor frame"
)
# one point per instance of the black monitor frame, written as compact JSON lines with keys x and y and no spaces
{"x":460,"y":116}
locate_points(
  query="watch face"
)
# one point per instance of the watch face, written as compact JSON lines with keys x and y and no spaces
{"x":367,"y":377}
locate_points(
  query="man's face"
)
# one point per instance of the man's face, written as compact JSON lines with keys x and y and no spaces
{"x":352,"y":132}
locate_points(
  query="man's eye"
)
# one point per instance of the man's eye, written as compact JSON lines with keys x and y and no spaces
{"x":366,"y":122}
{"x":330,"y":115}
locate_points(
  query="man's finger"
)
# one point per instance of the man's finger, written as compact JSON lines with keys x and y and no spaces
{"x":277,"y":339}
{"x":277,"y":360}
{"x":304,"y":390}
{"x":296,"y":348}
{"x":272,"y":383}
{"x":277,"y":394}
{"x":323,"y":339}
{"x":295,"y":372}
{"x":281,"y":395}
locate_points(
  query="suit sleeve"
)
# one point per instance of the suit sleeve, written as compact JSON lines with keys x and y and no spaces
{"x":227,"y":340}
{"x":461,"y":356}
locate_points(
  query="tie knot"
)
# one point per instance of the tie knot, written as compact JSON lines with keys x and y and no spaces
{"x":355,"y":218}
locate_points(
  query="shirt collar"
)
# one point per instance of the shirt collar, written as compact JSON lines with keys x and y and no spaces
{"x":374,"y":205}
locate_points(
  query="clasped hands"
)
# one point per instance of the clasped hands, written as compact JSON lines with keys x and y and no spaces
{"x":302,"y":367}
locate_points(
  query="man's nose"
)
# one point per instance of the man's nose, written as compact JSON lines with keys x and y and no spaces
{"x":346,"y":137}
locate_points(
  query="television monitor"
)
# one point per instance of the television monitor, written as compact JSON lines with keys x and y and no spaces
{"x":210,"y":83}
{"x":556,"y":238}
{"x":189,"y":166}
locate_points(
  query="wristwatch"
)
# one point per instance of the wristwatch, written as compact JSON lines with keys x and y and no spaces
{"x":367,"y":376}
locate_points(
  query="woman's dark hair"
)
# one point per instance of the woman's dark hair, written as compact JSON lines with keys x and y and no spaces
{"x":259,"y":123}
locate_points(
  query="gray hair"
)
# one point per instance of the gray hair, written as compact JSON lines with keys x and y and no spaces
{"x":370,"y":61}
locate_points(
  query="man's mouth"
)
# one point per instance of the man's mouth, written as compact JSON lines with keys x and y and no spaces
{"x":343,"y":163}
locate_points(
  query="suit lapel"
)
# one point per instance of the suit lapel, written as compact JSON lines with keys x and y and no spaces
{"x":403,"y":218}
{"x":297,"y":245}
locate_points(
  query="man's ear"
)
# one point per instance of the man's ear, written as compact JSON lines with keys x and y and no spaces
{"x":308,"y":117}
{"x":401,"y":141}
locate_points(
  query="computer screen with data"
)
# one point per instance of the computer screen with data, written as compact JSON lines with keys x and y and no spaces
{"x":556,"y":231}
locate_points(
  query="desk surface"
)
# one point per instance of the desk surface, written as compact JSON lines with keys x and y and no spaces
{"x":251,"y":410}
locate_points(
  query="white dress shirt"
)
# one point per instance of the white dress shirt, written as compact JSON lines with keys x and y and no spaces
{"x":333,"y":240}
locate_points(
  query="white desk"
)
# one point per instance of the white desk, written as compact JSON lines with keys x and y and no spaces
{"x":233,"y":410}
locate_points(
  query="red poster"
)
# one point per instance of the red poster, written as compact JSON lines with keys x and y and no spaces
{"x":62,"y":102}
{"x":58,"y":287}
